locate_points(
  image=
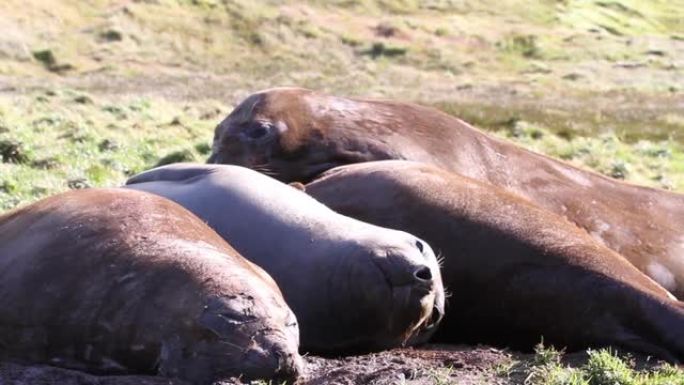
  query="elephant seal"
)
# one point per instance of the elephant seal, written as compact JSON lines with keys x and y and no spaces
{"x":516,"y":272}
{"x":117,"y":281}
{"x":354,"y":287}
{"x":294,"y":134}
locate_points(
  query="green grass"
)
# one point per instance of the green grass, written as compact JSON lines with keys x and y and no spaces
{"x":64,"y":139}
{"x":596,"y":83}
{"x":54,"y":140}
{"x":599,"y":367}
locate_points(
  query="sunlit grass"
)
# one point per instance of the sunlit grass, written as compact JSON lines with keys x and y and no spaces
{"x":70,"y":140}
{"x":600,"y":367}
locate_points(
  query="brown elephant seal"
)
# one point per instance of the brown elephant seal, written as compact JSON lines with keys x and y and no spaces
{"x":294,"y":134}
{"x":354,"y":287}
{"x":118,"y":281}
{"x":516,"y":272}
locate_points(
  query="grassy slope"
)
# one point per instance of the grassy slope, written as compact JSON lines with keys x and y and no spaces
{"x":597,"y":83}
{"x":594,"y":82}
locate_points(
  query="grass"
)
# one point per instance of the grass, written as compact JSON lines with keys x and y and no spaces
{"x":598,"y":367}
{"x":64,"y":139}
{"x":58,"y":139}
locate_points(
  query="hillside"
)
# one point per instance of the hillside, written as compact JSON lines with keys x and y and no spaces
{"x":92,"y":91}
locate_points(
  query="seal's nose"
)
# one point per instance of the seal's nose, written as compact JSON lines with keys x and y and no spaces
{"x":290,"y":366}
{"x":279,"y":364}
{"x":423,"y":274}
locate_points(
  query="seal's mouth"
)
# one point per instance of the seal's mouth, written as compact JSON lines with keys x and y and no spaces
{"x":424,"y":330}
{"x":415,"y":315}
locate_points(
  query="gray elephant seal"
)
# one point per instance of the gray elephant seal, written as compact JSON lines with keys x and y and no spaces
{"x":354,"y":287}
{"x":517,"y":272}
{"x":294,"y":134}
{"x":118,"y":281}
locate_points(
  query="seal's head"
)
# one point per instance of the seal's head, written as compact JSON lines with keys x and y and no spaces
{"x":248,"y":332}
{"x":233,"y":339}
{"x":294,"y":134}
{"x":385,"y":292}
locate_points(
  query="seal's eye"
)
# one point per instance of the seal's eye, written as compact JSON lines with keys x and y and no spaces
{"x":419,"y":245}
{"x":258,"y":131}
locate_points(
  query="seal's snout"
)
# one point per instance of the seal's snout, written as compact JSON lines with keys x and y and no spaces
{"x":277,"y":363}
{"x":290,"y":367}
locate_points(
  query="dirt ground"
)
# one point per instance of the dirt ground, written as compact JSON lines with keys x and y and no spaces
{"x":428,"y":365}
{"x":434,"y":364}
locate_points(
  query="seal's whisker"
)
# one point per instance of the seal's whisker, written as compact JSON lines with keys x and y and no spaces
{"x":440,"y":259}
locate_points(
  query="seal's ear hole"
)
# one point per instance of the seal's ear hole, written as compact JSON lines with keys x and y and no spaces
{"x":419,"y":245}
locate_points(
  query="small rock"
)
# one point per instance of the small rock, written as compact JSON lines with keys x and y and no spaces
{"x":46,"y":57}
{"x":78,"y":183}
{"x":108,"y":145}
{"x":627,"y":64}
{"x":381,"y":49}
{"x":655,"y":52}
{"x":46,"y":164}
{"x":385,"y":30}
{"x":11,"y":151}
{"x":83,"y":99}
{"x":111,"y":35}
{"x":454,"y":364}
{"x":619,"y":170}
{"x":49,"y":60}
{"x":572,"y":76}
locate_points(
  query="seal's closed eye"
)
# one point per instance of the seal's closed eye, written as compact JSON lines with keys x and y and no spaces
{"x":257,"y":132}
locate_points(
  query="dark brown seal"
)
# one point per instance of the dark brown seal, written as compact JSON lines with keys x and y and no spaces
{"x":516,"y":272}
{"x":354,"y":287}
{"x":294,"y":134}
{"x":118,"y":281}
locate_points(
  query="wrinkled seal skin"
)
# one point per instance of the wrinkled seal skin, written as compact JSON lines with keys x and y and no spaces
{"x":117,"y":281}
{"x":294,"y":134}
{"x":516,"y":272}
{"x":354,"y":287}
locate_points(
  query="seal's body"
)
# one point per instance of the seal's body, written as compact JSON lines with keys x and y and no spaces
{"x":294,"y":134}
{"x":118,"y":281}
{"x":354,"y":287}
{"x":517,"y":273}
